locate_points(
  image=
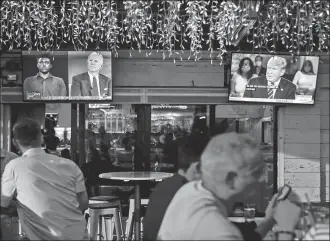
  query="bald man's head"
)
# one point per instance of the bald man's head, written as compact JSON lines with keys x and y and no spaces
{"x":230,"y":163}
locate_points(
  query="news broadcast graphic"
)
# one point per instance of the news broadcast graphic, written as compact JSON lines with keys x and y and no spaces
{"x":45,"y":76}
{"x":90,"y":75}
{"x":273,"y":78}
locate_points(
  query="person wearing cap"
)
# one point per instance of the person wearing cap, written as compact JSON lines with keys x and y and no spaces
{"x":50,"y":191}
{"x":272,"y":85}
{"x":231,"y":168}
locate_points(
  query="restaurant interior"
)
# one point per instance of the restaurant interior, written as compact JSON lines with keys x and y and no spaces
{"x":182,"y":88}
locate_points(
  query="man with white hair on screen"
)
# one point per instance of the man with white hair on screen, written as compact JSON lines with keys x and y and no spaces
{"x":272,"y":85}
{"x":231,"y":168}
{"x":92,"y":83}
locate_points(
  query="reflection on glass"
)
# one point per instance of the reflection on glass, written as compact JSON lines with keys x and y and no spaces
{"x":256,"y":121}
{"x":112,"y":128}
{"x":168,"y":124}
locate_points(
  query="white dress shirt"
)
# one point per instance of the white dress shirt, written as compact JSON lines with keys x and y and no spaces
{"x":97,"y":81}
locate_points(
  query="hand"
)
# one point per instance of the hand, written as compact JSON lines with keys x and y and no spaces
{"x":286,"y":215}
{"x":270,"y":208}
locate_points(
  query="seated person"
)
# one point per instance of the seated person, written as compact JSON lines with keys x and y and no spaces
{"x":65,"y":153}
{"x":51,"y":142}
{"x":95,"y":167}
{"x":231,"y":166}
{"x":189,"y":151}
{"x":305,"y":79}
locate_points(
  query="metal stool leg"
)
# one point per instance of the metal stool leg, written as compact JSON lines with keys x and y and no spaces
{"x":100,"y":229}
{"x":108,"y":227}
{"x":93,"y":223}
{"x":119,"y":228}
{"x":131,"y":228}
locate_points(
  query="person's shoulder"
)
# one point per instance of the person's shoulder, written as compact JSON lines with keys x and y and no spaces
{"x":80,"y":76}
{"x":105,"y":77}
{"x":57,"y":78}
{"x":13,"y":163}
{"x":288,"y":82}
{"x":176,"y":181}
{"x":29,"y":78}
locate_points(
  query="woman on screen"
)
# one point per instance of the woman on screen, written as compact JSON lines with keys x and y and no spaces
{"x":305,"y":79}
{"x":240,"y":78}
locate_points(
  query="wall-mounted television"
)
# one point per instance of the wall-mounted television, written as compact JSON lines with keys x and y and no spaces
{"x":67,"y":76}
{"x":273,"y":78}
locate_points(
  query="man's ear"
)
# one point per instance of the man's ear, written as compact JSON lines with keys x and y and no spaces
{"x":282,"y":72}
{"x":231,"y":179}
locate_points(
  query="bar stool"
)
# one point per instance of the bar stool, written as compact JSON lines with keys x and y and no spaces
{"x":103,"y":210}
{"x":130,"y":219}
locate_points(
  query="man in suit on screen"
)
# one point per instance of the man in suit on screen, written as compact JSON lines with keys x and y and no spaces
{"x":92,"y":83}
{"x":272,"y":85}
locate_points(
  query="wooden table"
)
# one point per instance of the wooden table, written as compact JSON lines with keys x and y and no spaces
{"x":137,"y":177}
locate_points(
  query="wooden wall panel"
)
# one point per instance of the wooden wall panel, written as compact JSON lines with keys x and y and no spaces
{"x":302,"y":135}
{"x":303,"y":179}
{"x":325,"y":136}
{"x":323,"y":81}
{"x":301,"y":151}
{"x":302,"y":165}
{"x":300,"y":122}
{"x":325,"y":122}
{"x":305,"y":131}
{"x":160,"y":73}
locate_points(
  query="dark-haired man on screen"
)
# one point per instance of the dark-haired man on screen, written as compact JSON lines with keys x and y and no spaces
{"x":272,"y":85}
{"x":44,"y":85}
{"x":92,"y":83}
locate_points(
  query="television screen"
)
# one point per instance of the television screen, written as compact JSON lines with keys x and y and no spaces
{"x":67,"y":76}
{"x":271,"y":78}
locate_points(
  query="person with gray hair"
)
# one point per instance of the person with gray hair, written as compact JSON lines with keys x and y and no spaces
{"x":272,"y":85}
{"x":50,"y":191}
{"x":92,"y":82}
{"x":231,"y":168}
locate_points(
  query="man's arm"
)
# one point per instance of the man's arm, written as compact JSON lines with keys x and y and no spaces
{"x":81,"y":192}
{"x":62,"y":88}
{"x":109,"y":86}
{"x":8,"y":188}
{"x":75,"y":87}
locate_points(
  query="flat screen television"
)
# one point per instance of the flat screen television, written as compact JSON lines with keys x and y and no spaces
{"x":67,"y":76}
{"x":273,"y":78}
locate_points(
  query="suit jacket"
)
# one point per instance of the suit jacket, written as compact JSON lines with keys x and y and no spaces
{"x":81,"y":85}
{"x":285,"y":90}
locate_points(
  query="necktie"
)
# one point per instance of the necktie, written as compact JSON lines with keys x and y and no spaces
{"x":271,"y":91}
{"x":95,"y":91}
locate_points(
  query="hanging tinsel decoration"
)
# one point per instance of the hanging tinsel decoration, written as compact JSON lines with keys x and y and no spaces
{"x":137,"y":24}
{"x":196,"y":20}
{"x":292,"y":25}
{"x":169,"y":25}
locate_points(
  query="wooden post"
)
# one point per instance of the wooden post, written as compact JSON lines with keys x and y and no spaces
{"x":74,"y":132}
{"x":142,"y":146}
{"x":82,"y":135}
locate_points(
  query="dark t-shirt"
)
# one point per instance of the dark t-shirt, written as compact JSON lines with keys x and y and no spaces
{"x":161,"y":198}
